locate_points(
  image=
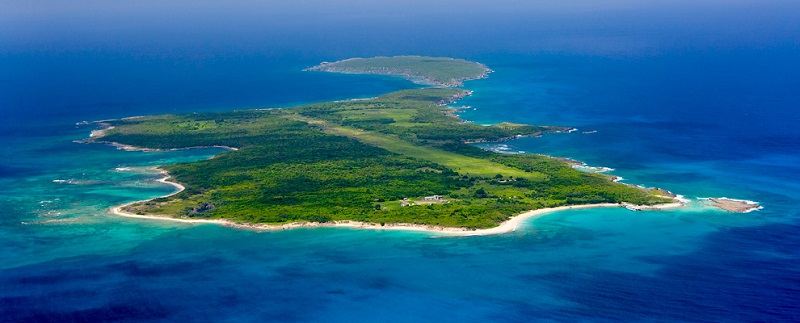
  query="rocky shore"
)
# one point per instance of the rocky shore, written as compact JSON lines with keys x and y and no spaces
{"x":736,"y":206}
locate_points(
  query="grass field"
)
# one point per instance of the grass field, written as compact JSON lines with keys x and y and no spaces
{"x":459,"y":163}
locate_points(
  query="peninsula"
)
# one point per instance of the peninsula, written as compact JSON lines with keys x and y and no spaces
{"x":435,"y":71}
{"x":398,"y":160}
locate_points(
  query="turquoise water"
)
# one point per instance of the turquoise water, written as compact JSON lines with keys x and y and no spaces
{"x":66,"y":258}
{"x":703,"y":114}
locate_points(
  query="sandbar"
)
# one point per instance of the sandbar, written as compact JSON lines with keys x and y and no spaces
{"x":733,"y":205}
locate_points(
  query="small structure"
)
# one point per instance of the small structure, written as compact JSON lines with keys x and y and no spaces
{"x":427,"y":200}
{"x":405,"y":202}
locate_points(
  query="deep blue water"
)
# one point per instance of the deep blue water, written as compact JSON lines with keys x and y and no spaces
{"x":702,"y":99}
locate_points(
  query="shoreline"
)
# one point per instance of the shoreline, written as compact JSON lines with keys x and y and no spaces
{"x":97,"y":134}
{"x":507,"y":226}
{"x":125,"y":147}
{"x":136,"y":148}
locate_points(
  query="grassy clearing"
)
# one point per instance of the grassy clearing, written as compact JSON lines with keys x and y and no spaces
{"x":461,"y":164}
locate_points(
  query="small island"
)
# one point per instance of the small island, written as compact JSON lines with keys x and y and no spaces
{"x":398,"y":161}
{"x":736,"y":206}
{"x":435,"y":71}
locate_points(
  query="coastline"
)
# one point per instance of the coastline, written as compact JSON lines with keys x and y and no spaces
{"x":135,"y":148}
{"x":97,"y":134}
{"x":507,"y":226}
{"x":125,"y":147}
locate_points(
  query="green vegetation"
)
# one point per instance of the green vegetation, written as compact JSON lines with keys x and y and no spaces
{"x":438,"y":71}
{"x":358,"y":160}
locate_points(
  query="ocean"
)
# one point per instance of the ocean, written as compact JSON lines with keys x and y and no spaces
{"x":685,"y":97}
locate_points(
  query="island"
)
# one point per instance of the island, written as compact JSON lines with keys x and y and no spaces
{"x":436,"y":71}
{"x":733,"y":205}
{"x":401,"y":160}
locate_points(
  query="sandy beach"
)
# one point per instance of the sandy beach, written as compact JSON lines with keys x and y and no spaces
{"x":509,"y":225}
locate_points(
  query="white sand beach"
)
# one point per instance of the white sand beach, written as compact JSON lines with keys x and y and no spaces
{"x":510,"y":225}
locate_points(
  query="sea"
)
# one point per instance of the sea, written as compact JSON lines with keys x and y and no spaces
{"x":701,"y":98}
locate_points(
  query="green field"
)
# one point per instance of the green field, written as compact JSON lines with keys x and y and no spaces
{"x":461,"y":164}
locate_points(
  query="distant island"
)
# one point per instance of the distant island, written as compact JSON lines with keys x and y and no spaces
{"x":402,"y":160}
{"x":436,"y":71}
